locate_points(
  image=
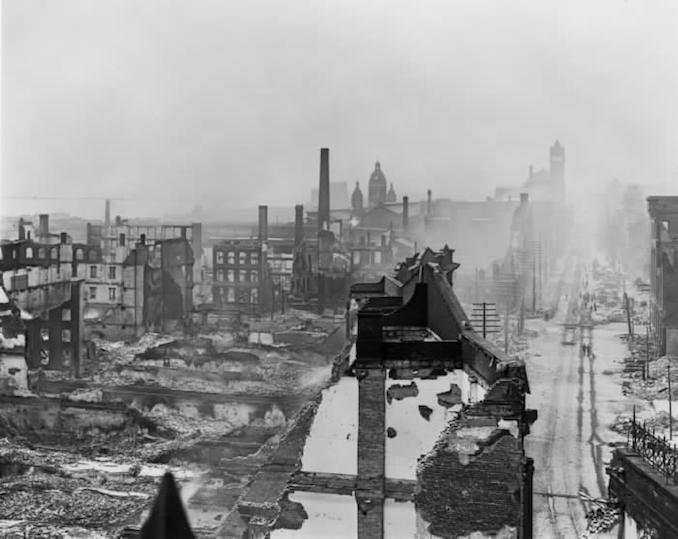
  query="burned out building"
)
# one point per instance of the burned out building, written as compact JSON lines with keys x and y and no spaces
{"x":664,"y":272}
{"x":41,"y":280}
{"x":123,"y":287}
{"x":426,"y":425}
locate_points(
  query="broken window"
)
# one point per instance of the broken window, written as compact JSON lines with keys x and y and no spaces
{"x":92,"y":292}
{"x":254,"y":296}
{"x":220,"y":257}
{"x":29,"y":252}
{"x":111,"y":272}
{"x":92,"y":272}
{"x":66,"y":355}
{"x":242,"y":258}
{"x":254,"y":258}
{"x":230,"y":294}
{"x":220,"y":275}
{"x":254,"y":276}
{"x":230,"y":276}
{"x":111,"y":293}
{"x":230,"y":257}
{"x":242,"y":276}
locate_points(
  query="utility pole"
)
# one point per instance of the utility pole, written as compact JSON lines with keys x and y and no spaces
{"x":646,"y":368}
{"x":628,"y":313}
{"x":506,"y":329}
{"x":534,"y":284}
{"x":485,"y":315}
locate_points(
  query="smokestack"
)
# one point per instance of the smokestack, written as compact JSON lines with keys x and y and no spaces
{"x":428,"y":202}
{"x":263,"y":223}
{"x":406,"y":212}
{"x":298,"y":224}
{"x":43,"y":229}
{"x":324,"y":189}
{"x":107,"y":216}
{"x":22,"y":229}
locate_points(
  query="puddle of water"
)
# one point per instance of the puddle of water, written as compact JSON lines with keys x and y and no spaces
{"x":332,"y":444}
{"x":330,"y":516}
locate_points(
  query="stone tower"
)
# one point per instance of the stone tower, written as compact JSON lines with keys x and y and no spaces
{"x":377,"y":187}
{"x":557,"y":170}
{"x":357,"y":199}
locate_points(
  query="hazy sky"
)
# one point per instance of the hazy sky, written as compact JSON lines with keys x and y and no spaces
{"x":226,"y":103}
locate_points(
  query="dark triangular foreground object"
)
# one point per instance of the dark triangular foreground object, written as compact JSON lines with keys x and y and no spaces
{"x":167,"y":519}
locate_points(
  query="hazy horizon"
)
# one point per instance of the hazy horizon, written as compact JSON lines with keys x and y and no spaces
{"x":173,"y":105}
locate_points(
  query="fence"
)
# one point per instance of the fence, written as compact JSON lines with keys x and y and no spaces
{"x":659,"y":453}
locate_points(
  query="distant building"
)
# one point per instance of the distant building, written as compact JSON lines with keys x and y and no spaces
{"x":239,"y":275}
{"x":542,"y":184}
{"x":664,"y":272}
{"x":139,"y":266}
{"x":376,"y":189}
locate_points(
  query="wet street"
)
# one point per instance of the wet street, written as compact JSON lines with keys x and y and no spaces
{"x":578,"y":399}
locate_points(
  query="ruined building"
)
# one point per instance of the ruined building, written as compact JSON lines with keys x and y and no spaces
{"x":426,"y":426}
{"x":44,"y":282}
{"x":664,"y":272}
{"x":144,"y":278}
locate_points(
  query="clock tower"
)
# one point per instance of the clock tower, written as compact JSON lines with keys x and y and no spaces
{"x":557,"y":170}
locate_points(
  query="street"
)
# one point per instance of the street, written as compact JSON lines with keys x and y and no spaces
{"x":578,"y":399}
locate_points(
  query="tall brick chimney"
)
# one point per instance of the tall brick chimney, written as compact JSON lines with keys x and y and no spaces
{"x":406,"y":212}
{"x":43,"y":226}
{"x":428,"y":202}
{"x":263,"y":223}
{"x":298,"y":224}
{"x":107,"y":216}
{"x":324,"y":189}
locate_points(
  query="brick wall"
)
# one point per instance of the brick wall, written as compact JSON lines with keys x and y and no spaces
{"x":462,"y":492}
{"x":371,"y":453}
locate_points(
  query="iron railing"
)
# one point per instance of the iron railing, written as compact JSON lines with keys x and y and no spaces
{"x":656,"y":450}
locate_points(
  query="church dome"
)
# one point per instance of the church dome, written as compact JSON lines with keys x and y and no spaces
{"x":377,"y":186}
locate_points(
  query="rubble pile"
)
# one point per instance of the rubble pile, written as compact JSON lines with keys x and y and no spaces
{"x":211,"y":404}
{"x":601,"y":519}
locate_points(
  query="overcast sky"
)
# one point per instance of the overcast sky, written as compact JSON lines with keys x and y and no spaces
{"x":226,"y":103}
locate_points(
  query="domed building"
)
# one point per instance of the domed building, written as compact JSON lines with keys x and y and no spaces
{"x":376,"y":193}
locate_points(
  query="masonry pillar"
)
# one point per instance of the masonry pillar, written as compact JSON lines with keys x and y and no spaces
{"x":369,"y":493}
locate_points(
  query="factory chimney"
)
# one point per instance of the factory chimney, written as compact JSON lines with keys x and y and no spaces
{"x":428,"y":202}
{"x":324,"y":190}
{"x":43,"y":226}
{"x":263,"y":223}
{"x":107,"y":216}
{"x":298,"y":224}
{"x":406,"y":213}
